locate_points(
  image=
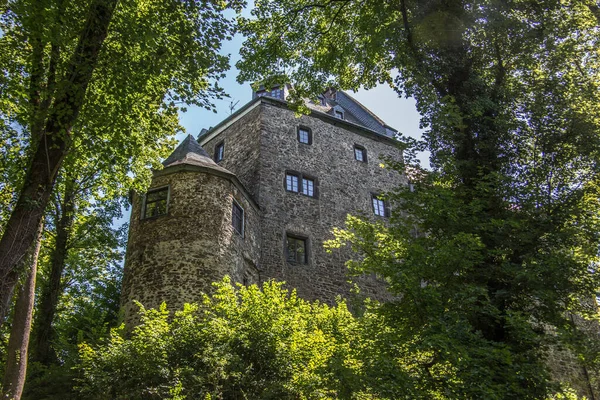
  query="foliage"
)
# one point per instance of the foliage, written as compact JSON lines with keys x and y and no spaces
{"x":250,"y":343}
{"x":239,"y":343}
{"x":88,"y":297}
{"x":498,"y":245}
{"x":101,"y":78}
{"x":158,"y":55}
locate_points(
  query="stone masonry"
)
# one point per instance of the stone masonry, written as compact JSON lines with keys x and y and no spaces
{"x":175,"y":256}
{"x":265,"y":142}
{"x":191,"y":236}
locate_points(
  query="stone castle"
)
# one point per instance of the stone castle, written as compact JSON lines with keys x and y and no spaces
{"x":255,"y":197}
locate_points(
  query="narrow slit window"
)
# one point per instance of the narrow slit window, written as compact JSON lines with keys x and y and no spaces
{"x":156,"y":202}
{"x":291,"y":183}
{"x":237,"y":218}
{"x":219,"y":151}
{"x":308,"y":187}
{"x":296,"y":250}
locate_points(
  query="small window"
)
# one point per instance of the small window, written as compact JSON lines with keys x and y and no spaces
{"x":276,"y":93}
{"x":237,"y":218}
{"x":219,"y":151}
{"x":156,"y":203}
{"x":297,"y":182}
{"x":308,"y":187}
{"x":380,"y":207}
{"x":295,"y":248}
{"x":291,"y":182}
{"x":339,"y":114}
{"x":304,"y":135}
{"x":360,"y":153}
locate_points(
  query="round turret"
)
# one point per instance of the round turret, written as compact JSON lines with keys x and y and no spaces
{"x":195,"y":225}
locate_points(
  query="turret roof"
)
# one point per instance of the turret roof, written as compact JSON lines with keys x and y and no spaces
{"x":190,"y":152}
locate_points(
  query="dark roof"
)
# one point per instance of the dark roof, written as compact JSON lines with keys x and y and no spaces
{"x":190,"y":152}
{"x":353,"y":112}
{"x":361,"y":113}
{"x":371,"y":124}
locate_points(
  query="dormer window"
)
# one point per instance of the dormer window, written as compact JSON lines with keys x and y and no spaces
{"x":339,"y":114}
{"x":276,"y":93}
{"x":219,"y":151}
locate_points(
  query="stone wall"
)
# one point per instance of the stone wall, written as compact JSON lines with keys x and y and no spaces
{"x":175,"y":257}
{"x":345,"y":186}
{"x":242,"y":151}
{"x":567,"y":368}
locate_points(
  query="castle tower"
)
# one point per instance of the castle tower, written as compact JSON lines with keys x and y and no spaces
{"x":264,"y":204}
{"x":262,"y":207}
{"x":195,"y":224}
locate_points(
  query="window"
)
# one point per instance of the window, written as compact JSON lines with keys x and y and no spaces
{"x":304,"y":135}
{"x":291,"y":182}
{"x":300,"y":183}
{"x":360,"y":153}
{"x":237,"y":218}
{"x":339,"y":114}
{"x":276,"y":93}
{"x":295,"y":249}
{"x":380,"y":206}
{"x":219,"y":151}
{"x":308,"y":187}
{"x":156,"y":202}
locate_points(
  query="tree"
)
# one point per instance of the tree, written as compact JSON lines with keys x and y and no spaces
{"x":86,"y":202}
{"x":114,"y":76}
{"x":508,"y":221}
{"x":241,"y":342}
{"x":17,"y":351}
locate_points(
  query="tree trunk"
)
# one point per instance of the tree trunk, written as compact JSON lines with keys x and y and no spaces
{"x":46,"y":310}
{"x":50,"y":151}
{"x":16,"y":363}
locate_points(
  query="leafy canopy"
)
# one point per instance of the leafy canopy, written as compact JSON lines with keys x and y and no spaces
{"x":497,"y":246}
{"x":239,"y":343}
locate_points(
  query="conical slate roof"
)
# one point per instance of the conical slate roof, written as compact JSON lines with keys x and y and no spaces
{"x":190,"y":152}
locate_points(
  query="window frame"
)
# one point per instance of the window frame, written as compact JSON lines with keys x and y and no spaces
{"x":145,"y":202}
{"x":363,"y":150}
{"x":304,"y":190}
{"x":301,"y":177}
{"x":386,"y":205}
{"x":235,"y":204}
{"x":296,"y":238}
{"x":298,"y":182}
{"x":276,"y":92}
{"x":219,"y":146}
{"x":308,"y":132}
